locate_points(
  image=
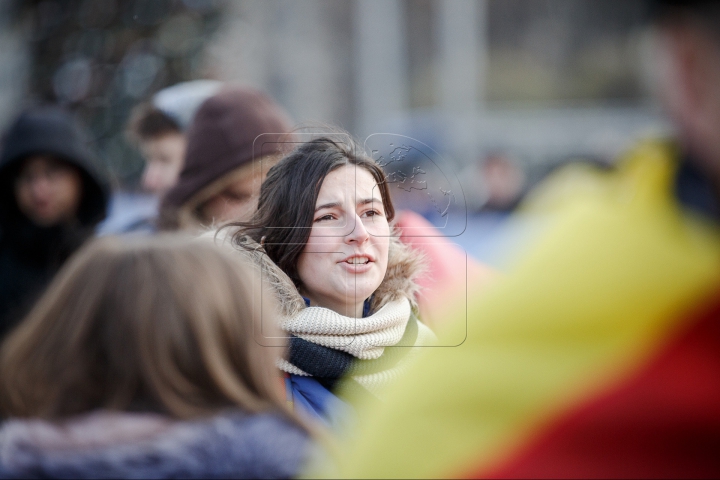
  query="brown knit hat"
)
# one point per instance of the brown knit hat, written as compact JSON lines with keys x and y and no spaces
{"x":222,"y":137}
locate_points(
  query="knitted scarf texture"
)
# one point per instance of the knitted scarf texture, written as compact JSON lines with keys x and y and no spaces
{"x":328,"y":346}
{"x":323,"y":344}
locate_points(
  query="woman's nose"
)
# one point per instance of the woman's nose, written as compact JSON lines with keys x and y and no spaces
{"x":359,"y":233}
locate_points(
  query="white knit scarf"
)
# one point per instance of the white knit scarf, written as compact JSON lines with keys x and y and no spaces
{"x":364,"y":338}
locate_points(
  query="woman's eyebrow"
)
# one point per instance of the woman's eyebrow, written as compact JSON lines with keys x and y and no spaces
{"x":328,"y":205}
{"x":365,"y":201}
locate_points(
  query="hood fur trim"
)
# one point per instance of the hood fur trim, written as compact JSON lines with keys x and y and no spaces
{"x":405,"y":265}
{"x":105,"y":444}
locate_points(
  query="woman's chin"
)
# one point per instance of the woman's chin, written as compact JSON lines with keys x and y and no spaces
{"x":365,"y":289}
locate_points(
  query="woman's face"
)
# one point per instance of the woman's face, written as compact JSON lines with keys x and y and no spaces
{"x":346,"y":256}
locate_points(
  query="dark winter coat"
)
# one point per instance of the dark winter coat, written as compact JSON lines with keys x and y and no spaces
{"x":30,"y":255}
{"x":108,"y":444}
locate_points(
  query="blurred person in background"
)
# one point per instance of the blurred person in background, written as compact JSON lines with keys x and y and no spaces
{"x":52,"y":195}
{"x":347,"y":285}
{"x":599,"y":354}
{"x":158,"y":128}
{"x":140,"y":362}
{"x":503,"y":181}
{"x":224,"y":165}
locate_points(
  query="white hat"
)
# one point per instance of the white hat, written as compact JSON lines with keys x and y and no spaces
{"x":181,"y":101}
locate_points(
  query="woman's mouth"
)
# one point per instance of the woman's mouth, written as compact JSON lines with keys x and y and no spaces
{"x":357,"y":260}
{"x":357,"y":263}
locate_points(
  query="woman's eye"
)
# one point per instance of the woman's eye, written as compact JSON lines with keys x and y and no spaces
{"x":371,"y":213}
{"x":324,"y":217}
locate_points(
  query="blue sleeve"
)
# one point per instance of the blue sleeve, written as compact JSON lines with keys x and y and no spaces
{"x":318,"y":403}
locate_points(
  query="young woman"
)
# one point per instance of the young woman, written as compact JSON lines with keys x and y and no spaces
{"x":347,"y":288}
{"x":140,"y":362}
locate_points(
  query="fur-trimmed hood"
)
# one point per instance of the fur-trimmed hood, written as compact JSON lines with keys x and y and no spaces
{"x":405,"y":265}
{"x":106,"y":444}
{"x":328,"y":346}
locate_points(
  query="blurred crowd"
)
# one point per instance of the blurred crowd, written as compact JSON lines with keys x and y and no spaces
{"x":282,"y":301}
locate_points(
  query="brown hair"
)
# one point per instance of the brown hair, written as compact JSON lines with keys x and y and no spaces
{"x":148,"y":122}
{"x":284,"y":218}
{"x":163,"y":323}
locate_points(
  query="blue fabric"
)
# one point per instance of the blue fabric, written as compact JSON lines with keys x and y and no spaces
{"x":318,"y":361}
{"x":307,"y":395}
{"x":366,"y":306}
{"x":313,"y":400}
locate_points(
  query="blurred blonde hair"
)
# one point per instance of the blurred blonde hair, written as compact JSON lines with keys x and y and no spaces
{"x":164,"y":323}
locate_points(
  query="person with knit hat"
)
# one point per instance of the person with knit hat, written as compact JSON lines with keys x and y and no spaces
{"x":158,"y":128}
{"x":52,"y":195}
{"x":234,"y":139}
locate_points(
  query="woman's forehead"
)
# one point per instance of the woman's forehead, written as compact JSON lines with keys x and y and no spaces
{"x":348,"y":181}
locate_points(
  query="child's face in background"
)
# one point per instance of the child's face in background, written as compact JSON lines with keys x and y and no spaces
{"x":164,"y":158}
